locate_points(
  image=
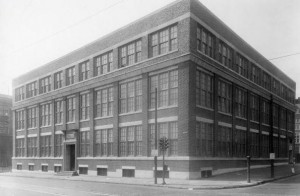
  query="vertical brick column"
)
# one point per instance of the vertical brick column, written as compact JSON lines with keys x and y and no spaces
{"x":215,"y":131}
{"x":26,"y":132}
{"x":77,"y":72}
{"x":248,"y":140}
{"x":145,"y":102}
{"x":145,"y":47}
{"x":183,"y":109}
{"x":91,"y":122}
{"x":91,"y":64}
{"x":260,"y":125}
{"x":77,"y":111}
{"x":38,"y":129}
{"x":115,"y":58}
{"x":116,"y":119}
{"x":14,"y":132}
{"x":233,"y":88}
{"x":192,"y":110}
{"x":52,"y":127}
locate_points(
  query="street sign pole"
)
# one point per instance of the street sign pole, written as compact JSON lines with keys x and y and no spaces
{"x":155,"y":138}
{"x":164,"y":166}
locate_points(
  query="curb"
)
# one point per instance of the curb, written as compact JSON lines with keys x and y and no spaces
{"x":164,"y":186}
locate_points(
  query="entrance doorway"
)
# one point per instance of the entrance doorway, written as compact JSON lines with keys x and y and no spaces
{"x":70,"y":157}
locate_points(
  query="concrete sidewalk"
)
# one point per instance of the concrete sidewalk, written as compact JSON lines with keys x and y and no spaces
{"x":229,"y":180}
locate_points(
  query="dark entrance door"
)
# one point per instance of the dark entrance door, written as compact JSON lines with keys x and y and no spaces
{"x":70,"y":157}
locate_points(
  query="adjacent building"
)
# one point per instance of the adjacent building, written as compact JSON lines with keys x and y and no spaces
{"x":6,"y":133}
{"x":93,"y":110}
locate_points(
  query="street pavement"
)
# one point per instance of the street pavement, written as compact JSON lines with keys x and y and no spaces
{"x":234,"y":183}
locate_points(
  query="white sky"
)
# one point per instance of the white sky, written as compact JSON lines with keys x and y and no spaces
{"x":35,"y":32}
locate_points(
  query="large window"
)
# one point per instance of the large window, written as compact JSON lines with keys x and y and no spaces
{"x":283,"y":118}
{"x":266,"y":81}
{"x":104,"y":102}
{"x":58,"y":112}
{"x":240,"y":103}
{"x":167,"y":89}
{"x":169,"y":130}
{"x":241,"y":66}
{"x":71,"y":109}
{"x":275,"y":86}
{"x":131,"y":96}
{"x":20,"y":147}
{"x":58,"y":145}
{"x":32,"y":147}
{"x":130,"y":53}
{"x":254,"y":144}
{"x":131,"y":141}
{"x":45,"y":146}
{"x":104,"y":63}
{"x":84,"y":69}
{"x":104,"y":142}
{"x":224,"y":97}
{"x":264,"y":145}
{"x":45,"y":84}
{"x":265,"y":112}
{"x":205,"y":41}
{"x":225,"y":55}
{"x":20,"y":119}
{"x":275,"y":116}
{"x":70,"y":75}
{"x":84,"y":106}
{"x":239,"y":143}
{"x":58,"y":78}
{"x":85,"y":144}
{"x":31,"y":89}
{"x":32,"y":117}
{"x":204,"y":137}
{"x":254,"y":108}
{"x":223,"y":144}
{"x":204,"y":89}
{"x":20,"y":93}
{"x":163,"y":41}
{"x":46,"y":114}
{"x":254,"y":74}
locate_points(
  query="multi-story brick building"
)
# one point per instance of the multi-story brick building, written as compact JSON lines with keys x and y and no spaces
{"x":297,"y":130}
{"x":6,"y":146}
{"x":93,"y":110}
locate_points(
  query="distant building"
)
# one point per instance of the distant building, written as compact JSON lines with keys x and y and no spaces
{"x":6,"y":143}
{"x":297,"y":130}
{"x":92,"y":110}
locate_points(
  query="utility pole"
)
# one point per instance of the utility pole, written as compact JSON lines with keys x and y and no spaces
{"x":155,"y":138}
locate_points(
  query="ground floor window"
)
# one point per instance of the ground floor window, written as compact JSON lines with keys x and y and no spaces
{"x":31,"y":167}
{"x":57,"y":169}
{"x":131,"y":141}
{"x":223,"y":148}
{"x":84,"y":144}
{"x":254,"y":144}
{"x":58,"y":145}
{"x":283,"y":147}
{"x":264,"y":145}
{"x":239,"y":143}
{"x":44,"y":168}
{"x":19,"y":167}
{"x":204,"y":137}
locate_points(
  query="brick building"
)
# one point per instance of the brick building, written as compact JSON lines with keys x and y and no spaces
{"x":6,"y":147}
{"x":92,"y":110}
{"x":297,"y":130}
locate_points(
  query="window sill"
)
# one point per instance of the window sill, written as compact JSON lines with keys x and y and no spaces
{"x":241,"y":118}
{"x":163,"y":108}
{"x":227,"y":114}
{"x":265,"y":124}
{"x":45,"y":126}
{"x":102,"y":117}
{"x":59,"y":124}
{"x":253,"y":121}
{"x":85,"y":120}
{"x":203,"y":107}
{"x":129,"y":113}
{"x":20,"y":130}
{"x":31,"y":128}
{"x":70,"y":122}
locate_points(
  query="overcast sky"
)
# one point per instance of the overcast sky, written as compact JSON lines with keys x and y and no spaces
{"x":34,"y":32}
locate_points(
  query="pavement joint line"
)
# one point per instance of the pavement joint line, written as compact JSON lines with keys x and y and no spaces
{"x":167,"y":186}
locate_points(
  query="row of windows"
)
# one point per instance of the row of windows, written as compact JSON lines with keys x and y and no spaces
{"x":130,"y":99}
{"x":230,"y":142}
{"x":130,"y":142}
{"x":207,"y":44}
{"x":161,"y":42}
{"x":235,"y":98}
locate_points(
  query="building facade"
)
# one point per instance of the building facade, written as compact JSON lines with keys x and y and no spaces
{"x":297,"y":131}
{"x":6,"y":133}
{"x":93,"y":110}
